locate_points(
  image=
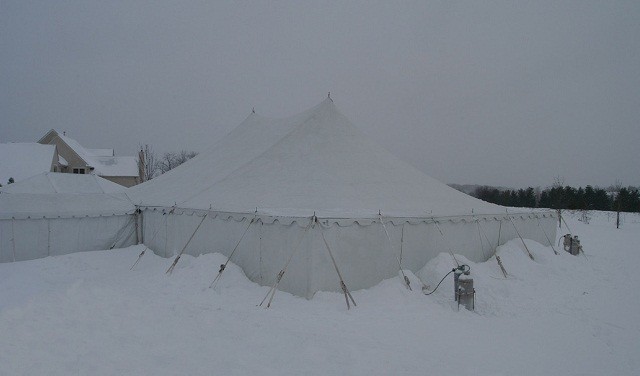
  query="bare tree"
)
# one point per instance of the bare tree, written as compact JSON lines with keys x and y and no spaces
{"x":618,"y":188}
{"x":558,"y":182}
{"x":147,"y":163}
{"x":172,"y":160}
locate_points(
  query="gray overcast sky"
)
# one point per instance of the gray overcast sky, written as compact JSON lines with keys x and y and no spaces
{"x":500,"y":93}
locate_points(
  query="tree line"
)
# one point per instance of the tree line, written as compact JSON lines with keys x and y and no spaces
{"x":624,"y":199}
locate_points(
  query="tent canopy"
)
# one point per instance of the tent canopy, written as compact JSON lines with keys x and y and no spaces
{"x":55,"y":182}
{"x":22,"y":160}
{"x":314,"y":162}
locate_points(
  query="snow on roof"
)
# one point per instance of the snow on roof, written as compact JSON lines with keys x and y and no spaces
{"x":52,"y":182}
{"x":23,"y":160}
{"x":102,"y":160}
{"x":101,"y":152}
{"x":317,"y":161}
{"x":77,"y":148}
{"x":115,"y":166}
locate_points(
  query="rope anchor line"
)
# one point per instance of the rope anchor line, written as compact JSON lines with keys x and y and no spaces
{"x":522,"y":240}
{"x":504,"y":271}
{"x":170,"y":270}
{"x":150,"y":241}
{"x":448,"y":245}
{"x":545,"y":235}
{"x":399,"y":259}
{"x":274,"y":288}
{"x":345,"y":290}
{"x":223,"y":266}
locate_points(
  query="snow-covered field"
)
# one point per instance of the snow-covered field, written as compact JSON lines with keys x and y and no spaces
{"x":88,"y":314}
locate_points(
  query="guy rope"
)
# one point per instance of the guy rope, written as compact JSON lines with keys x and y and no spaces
{"x":399,"y":259}
{"x":223,"y":266}
{"x":151,"y":241}
{"x":522,"y":240}
{"x":504,"y":271}
{"x":274,"y":288}
{"x":345,"y":290}
{"x":121,"y":232}
{"x":545,"y":235}
{"x":480,"y":237}
{"x":170,"y":270}
{"x":448,"y":245}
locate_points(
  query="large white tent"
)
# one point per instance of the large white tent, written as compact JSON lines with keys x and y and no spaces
{"x":257,"y":190}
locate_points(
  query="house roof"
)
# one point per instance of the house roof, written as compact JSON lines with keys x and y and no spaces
{"x":115,"y":166}
{"x":102,"y":160}
{"x":314,"y":162}
{"x":23,"y":160}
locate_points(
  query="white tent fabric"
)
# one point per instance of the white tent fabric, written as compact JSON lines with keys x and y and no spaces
{"x":314,"y":162}
{"x":283,"y":172}
{"x":27,"y":239}
{"x":22,"y":160}
{"x":35,"y":225}
{"x":55,"y":182}
{"x":63,"y":205}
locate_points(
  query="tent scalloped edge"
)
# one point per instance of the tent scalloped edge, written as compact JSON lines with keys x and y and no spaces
{"x":346,"y":222}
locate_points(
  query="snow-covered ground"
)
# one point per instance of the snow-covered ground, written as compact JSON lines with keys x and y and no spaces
{"x":88,"y":314}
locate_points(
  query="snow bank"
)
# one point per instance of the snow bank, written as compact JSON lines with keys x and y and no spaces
{"x":87,"y":313}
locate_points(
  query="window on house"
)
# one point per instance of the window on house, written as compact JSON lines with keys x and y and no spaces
{"x":78,"y":170}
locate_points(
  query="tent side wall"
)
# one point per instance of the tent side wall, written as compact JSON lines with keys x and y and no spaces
{"x":28,"y":239}
{"x":365,"y":255}
{"x":361,"y":249}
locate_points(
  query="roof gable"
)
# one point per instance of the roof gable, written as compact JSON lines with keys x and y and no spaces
{"x":103,"y":161}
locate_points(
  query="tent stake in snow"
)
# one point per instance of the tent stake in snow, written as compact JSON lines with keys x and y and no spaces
{"x":504,"y":271}
{"x":522,"y":240}
{"x":399,"y":259}
{"x":223,"y":266}
{"x":170,"y":270}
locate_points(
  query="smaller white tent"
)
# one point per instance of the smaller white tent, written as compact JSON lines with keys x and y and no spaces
{"x":55,"y":182}
{"x":52,"y":214}
{"x":22,"y":160}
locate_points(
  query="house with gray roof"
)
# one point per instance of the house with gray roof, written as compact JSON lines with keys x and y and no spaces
{"x":76,"y":159}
